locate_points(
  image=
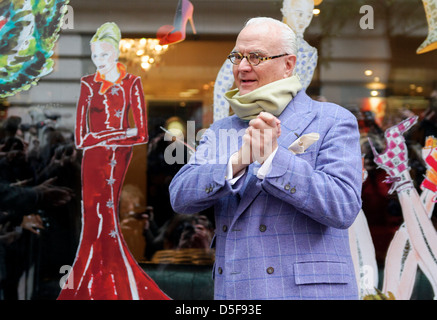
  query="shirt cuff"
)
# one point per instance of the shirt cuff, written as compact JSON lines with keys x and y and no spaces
{"x":266,"y":166}
{"x":229,"y":172}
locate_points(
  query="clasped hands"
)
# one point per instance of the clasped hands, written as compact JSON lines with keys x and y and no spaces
{"x":259,"y":141}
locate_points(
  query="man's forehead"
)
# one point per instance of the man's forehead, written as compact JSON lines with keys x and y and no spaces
{"x":256,"y":38}
{"x":251,"y":49}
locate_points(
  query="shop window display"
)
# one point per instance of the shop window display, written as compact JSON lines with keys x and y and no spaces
{"x":387,"y":79}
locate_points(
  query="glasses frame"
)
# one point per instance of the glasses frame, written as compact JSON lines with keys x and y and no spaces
{"x":261,"y":59}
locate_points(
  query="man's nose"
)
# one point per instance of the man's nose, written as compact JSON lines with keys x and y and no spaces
{"x":244,"y":65}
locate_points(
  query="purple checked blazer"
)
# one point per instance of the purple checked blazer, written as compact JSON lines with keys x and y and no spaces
{"x":283,"y":237}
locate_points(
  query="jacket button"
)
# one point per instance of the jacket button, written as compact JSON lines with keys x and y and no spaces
{"x":287,"y":187}
{"x":270,"y":270}
{"x":225,"y":228}
{"x":262,"y":228}
{"x":220,"y":270}
{"x":207,"y":190}
{"x":293,"y":190}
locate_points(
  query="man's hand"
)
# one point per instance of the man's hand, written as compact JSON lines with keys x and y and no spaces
{"x":262,"y":135}
{"x":259,"y":141}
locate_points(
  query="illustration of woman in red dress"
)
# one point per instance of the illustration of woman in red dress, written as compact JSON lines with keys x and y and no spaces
{"x":104,"y":269}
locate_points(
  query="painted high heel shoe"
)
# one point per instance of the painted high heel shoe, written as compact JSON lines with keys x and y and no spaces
{"x":430,"y":42}
{"x":170,"y":34}
{"x":394,"y":160}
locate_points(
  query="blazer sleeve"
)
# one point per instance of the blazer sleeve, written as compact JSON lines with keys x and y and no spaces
{"x":330,"y":191}
{"x":202,"y":182}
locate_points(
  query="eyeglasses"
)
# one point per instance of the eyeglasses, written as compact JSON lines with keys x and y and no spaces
{"x":253,"y":58}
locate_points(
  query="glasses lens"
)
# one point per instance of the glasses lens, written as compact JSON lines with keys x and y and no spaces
{"x":235,"y":58}
{"x":254,"y":59}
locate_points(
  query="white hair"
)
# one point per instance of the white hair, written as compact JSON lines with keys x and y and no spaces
{"x":288,"y":37}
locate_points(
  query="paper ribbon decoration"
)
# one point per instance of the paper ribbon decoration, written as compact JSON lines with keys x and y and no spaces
{"x":431,"y":16}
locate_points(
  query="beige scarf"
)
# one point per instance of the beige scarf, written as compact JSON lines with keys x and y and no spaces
{"x":272,"y":98}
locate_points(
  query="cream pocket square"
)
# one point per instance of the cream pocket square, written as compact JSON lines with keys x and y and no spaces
{"x":303,"y":142}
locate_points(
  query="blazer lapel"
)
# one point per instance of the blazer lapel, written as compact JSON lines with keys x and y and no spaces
{"x":296,"y":118}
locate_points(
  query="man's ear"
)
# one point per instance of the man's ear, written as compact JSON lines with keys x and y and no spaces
{"x":290,"y":63}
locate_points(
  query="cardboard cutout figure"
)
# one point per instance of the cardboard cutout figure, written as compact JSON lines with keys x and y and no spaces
{"x":29,"y":30}
{"x":298,"y":15}
{"x":104,"y":268}
{"x":415,"y":243}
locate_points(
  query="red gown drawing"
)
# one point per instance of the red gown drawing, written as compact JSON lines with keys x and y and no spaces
{"x":104,"y":268}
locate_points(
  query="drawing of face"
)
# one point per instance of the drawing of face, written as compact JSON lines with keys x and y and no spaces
{"x":104,"y":56}
{"x":300,"y":15}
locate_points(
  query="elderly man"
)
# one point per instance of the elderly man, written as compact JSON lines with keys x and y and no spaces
{"x":283,"y":175}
